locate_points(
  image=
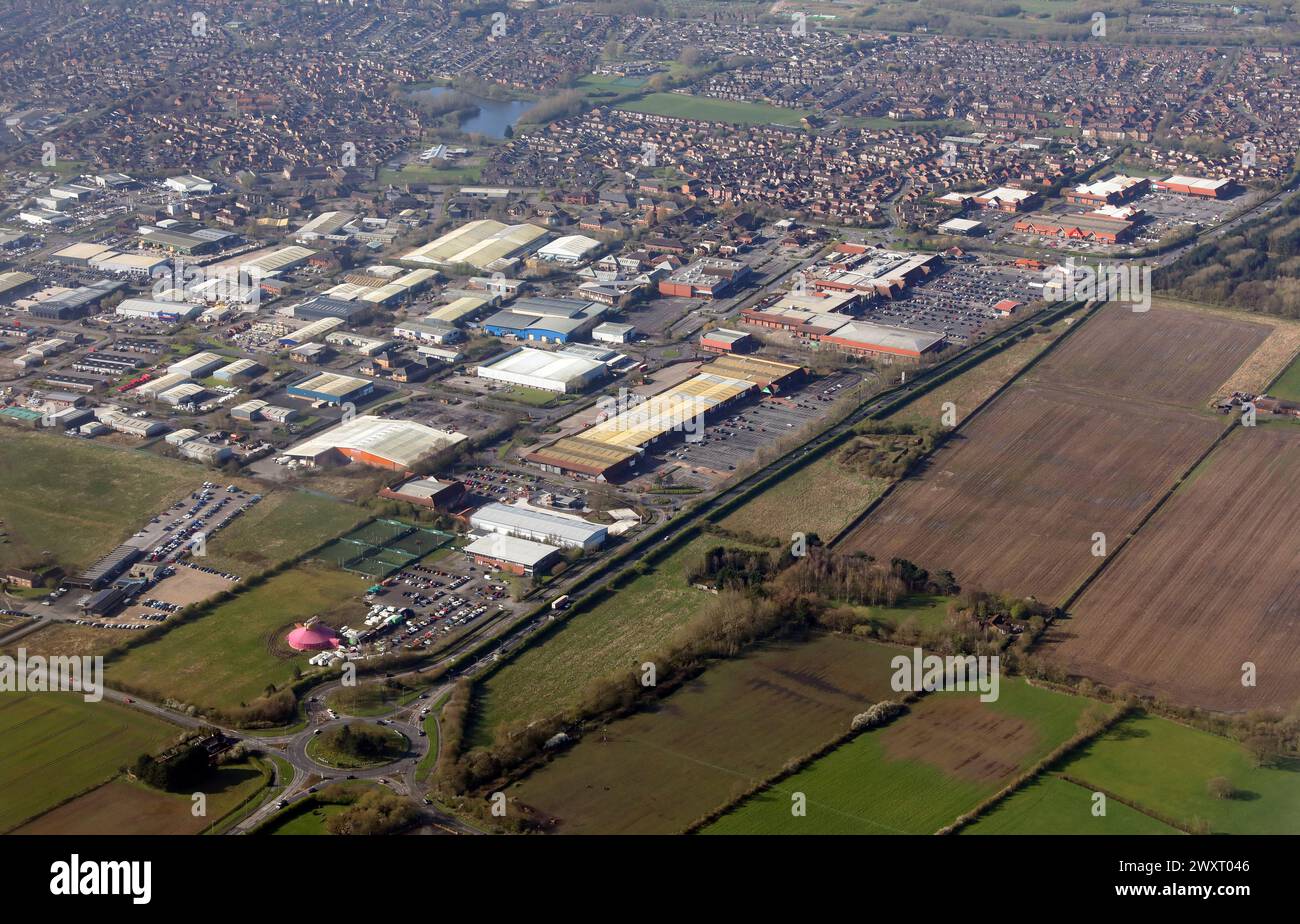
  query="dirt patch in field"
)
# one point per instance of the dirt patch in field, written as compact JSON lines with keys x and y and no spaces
{"x":962,"y":737}
{"x":185,"y":587}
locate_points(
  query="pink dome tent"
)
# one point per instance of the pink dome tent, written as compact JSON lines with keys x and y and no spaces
{"x":313,"y":636}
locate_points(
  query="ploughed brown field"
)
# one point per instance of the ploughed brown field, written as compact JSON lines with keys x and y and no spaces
{"x":1210,"y":582}
{"x":1086,"y":442}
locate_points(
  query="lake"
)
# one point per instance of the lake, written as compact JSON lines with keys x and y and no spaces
{"x":493,"y":114}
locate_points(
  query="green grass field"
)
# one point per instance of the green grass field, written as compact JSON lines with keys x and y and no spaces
{"x":684,"y":106}
{"x":56,"y":745}
{"x":1166,"y":767}
{"x":919,"y":773}
{"x":708,"y":743}
{"x":823,"y":498}
{"x":620,"y":631}
{"x":77,"y":500}
{"x":308,"y":821}
{"x":1051,"y":805}
{"x":284,"y":525}
{"x":1288,"y":386}
{"x":229,"y":656}
{"x":437,"y":176}
{"x":371,"y":698}
{"x":394,"y":746}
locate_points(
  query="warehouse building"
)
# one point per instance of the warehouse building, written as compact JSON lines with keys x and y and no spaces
{"x":569,"y":250}
{"x":427,"y":492}
{"x":459,"y":310}
{"x":199,"y":366}
{"x":241,"y":370}
{"x":512,"y":554}
{"x":562,"y":373}
{"x":393,"y":444}
{"x":427,"y":330}
{"x":612,"y":446}
{"x":485,"y":245}
{"x":321,"y":307}
{"x":1198,"y":186}
{"x":546,"y":320}
{"x":613,"y":332}
{"x":877,"y":341}
{"x":276,"y":261}
{"x":1110,"y":191}
{"x":725,"y":340}
{"x":16,"y":284}
{"x":332,"y":388}
{"x":185,"y":393}
{"x":1008,"y":199}
{"x":707,"y":277}
{"x":71,"y":304}
{"x":311,"y":332}
{"x":538,"y":526}
{"x":165,"y":312}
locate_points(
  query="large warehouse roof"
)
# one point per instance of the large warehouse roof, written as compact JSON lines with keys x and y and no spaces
{"x":569,"y":247}
{"x":283,"y":258}
{"x":562,"y":369}
{"x":399,"y":442}
{"x":523,"y":552}
{"x":529,"y":523}
{"x":478,"y":243}
{"x":886,"y":339}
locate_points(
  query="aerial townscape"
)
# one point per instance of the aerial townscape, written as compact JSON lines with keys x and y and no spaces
{"x":630,"y":417}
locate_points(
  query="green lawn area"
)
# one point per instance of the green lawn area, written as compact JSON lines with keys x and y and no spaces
{"x":1288,"y":386}
{"x":919,"y":773}
{"x":372,"y":698}
{"x":708,"y":743}
{"x":1166,"y":767}
{"x":1051,"y":805}
{"x":395,"y":744}
{"x":536,"y":397}
{"x":56,"y":745}
{"x":926,"y":611}
{"x":284,"y":525}
{"x":685,"y":106}
{"x":823,"y":498}
{"x":230,"y":655}
{"x":78,"y":499}
{"x":620,"y":631}
{"x":305,"y":821}
{"x":438,"y":176}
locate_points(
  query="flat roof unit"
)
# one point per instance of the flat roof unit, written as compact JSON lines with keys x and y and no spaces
{"x":570,"y":248}
{"x":79,"y":253}
{"x":1196,"y":183}
{"x":864,"y":336}
{"x":158,"y":311}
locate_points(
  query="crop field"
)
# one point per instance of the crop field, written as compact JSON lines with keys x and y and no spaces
{"x":1209,"y":583}
{"x":822,"y":497}
{"x":1084,"y":443}
{"x":1051,"y":805}
{"x":78,"y":500}
{"x":57,"y":745}
{"x":976,"y":385}
{"x":284,"y":525}
{"x":707,"y":109}
{"x":230,"y":655}
{"x":126,"y":807}
{"x":619,"y":631}
{"x":1165,"y":768}
{"x":709,"y":742}
{"x":919,"y":773}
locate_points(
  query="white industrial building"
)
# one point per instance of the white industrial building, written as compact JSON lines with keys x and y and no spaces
{"x":198,"y":366}
{"x":559,"y":372}
{"x":570,"y":249}
{"x":538,"y":526}
{"x":392,"y":444}
{"x":146,"y":309}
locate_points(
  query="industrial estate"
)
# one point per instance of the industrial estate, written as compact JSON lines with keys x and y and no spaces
{"x":649,"y":418}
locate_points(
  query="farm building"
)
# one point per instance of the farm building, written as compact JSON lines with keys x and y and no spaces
{"x":391,"y":444}
{"x":568,"y":532}
{"x":561,"y":372}
{"x":332,"y":388}
{"x":512,"y":554}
